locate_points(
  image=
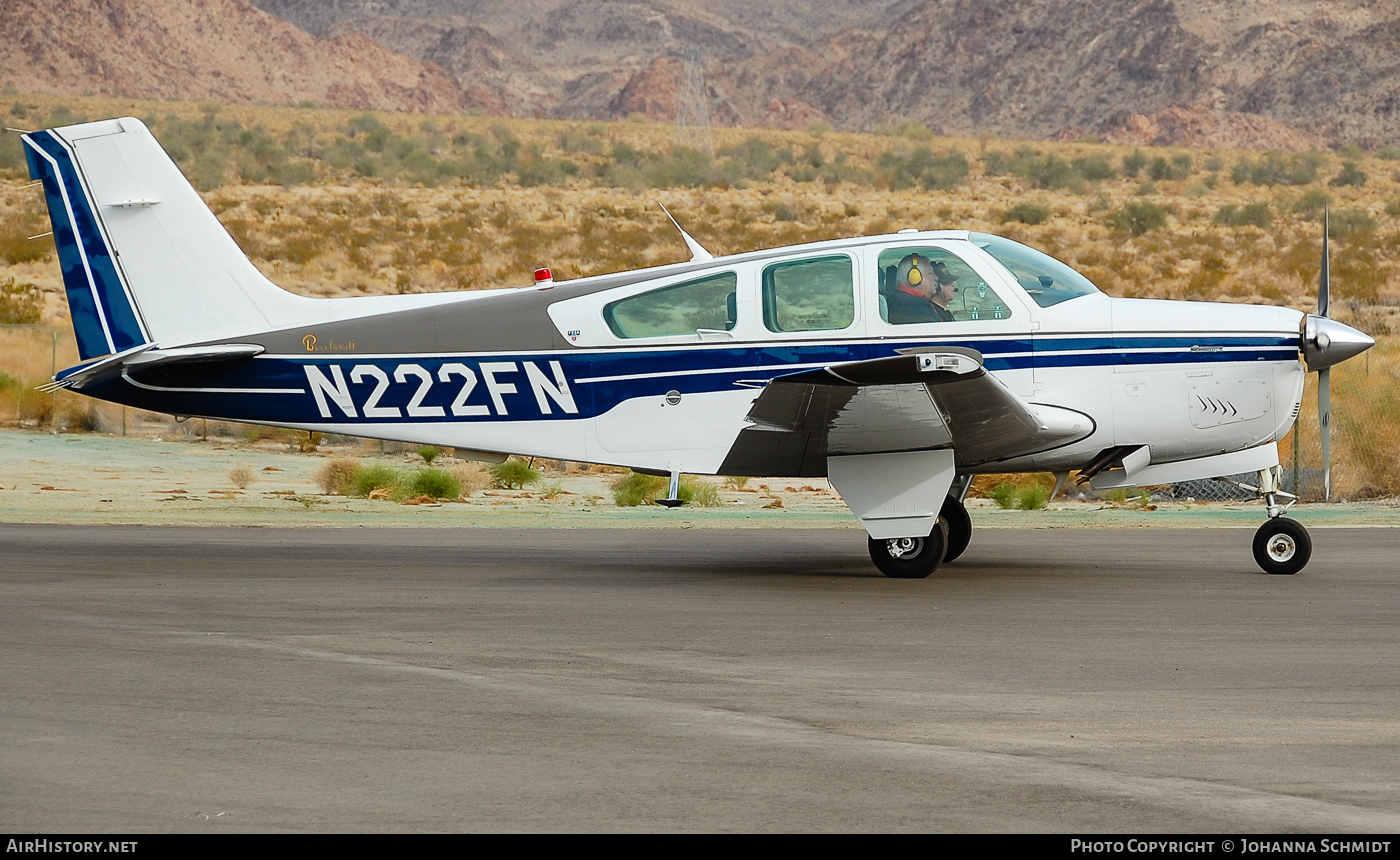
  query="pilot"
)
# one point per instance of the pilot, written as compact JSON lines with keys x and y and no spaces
{"x":921,"y":292}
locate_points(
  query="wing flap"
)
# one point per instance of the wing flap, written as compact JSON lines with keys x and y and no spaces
{"x":917,"y":401}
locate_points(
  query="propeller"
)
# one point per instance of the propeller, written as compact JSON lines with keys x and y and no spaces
{"x":1326,"y":342}
{"x":1324,"y":376}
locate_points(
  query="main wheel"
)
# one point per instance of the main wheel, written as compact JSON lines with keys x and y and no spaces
{"x":954,"y":514}
{"x":1282,"y":546}
{"x":909,"y":558}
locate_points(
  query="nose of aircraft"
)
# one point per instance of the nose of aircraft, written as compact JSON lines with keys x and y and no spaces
{"x":1327,"y":342}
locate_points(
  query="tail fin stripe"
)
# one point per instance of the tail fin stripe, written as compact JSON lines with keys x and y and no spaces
{"x":96,"y":291}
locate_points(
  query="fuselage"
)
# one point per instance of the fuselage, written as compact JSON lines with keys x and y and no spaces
{"x":657,"y":369}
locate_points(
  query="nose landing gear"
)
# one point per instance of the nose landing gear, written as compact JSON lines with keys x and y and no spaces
{"x":1281,"y":546}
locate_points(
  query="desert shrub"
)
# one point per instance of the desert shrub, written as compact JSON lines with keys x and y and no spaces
{"x":1351,"y":175}
{"x":634,"y":488}
{"x":513,"y":474}
{"x":16,"y":228}
{"x":241,"y":476}
{"x":1254,"y":214}
{"x":19,"y":303}
{"x":1138,"y":217}
{"x":1004,"y":494}
{"x":1095,"y":168}
{"x":1134,"y":163}
{"x":429,"y":453}
{"x":1345,"y":223}
{"x":1208,"y":277}
{"x":1178,"y":168}
{"x":752,"y":159}
{"x":1028,"y":213}
{"x":81,"y":420}
{"x":536,"y":168}
{"x":699,"y":492}
{"x":1040,"y":171}
{"x":1032,"y":497}
{"x":370,"y":477}
{"x":436,"y":483}
{"x":921,"y":168}
{"x":550,"y":489}
{"x":338,"y":476}
{"x":1392,"y":207}
{"x":1311,"y":203}
{"x":914,"y":130}
{"x":471,"y":477}
{"x":736,"y":482}
{"x":1274,"y":168}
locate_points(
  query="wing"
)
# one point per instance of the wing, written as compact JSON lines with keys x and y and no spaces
{"x":917,"y":401}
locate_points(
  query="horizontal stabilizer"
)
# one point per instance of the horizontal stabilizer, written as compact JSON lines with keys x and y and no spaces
{"x":146,"y":356}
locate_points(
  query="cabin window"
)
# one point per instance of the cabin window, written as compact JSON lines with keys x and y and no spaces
{"x":924,"y":285}
{"x":707,"y":303}
{"x":809,"y":295}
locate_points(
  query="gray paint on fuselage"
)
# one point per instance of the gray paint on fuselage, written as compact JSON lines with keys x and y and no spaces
{"x":501,"y":321}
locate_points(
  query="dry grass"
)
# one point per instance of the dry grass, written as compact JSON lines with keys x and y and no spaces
{"x":339,"y":234}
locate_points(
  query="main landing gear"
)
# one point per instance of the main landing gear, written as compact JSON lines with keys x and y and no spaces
{"x":917,"y":557}
{"x":1281,"y":546}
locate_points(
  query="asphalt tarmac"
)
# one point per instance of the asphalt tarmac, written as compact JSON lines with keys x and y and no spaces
{"x":196,"y":679}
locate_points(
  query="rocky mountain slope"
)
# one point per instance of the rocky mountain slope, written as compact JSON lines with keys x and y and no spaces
{"x":1254,"y":73}
{"x":223,"y":50}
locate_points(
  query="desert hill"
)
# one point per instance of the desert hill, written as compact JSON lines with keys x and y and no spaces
{"x":1286,"y":74}
{"x":1254,"y":73}
{"x":222,"y":50}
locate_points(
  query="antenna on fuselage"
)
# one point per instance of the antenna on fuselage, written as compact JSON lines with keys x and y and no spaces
{"x":698,"y":254}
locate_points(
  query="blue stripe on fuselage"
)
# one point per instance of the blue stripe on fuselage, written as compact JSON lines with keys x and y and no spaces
{"x":103,"y":298}
{"x":595,"y":381}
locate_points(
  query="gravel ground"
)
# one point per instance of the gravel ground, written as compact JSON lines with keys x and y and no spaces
{"x":95,"y":479}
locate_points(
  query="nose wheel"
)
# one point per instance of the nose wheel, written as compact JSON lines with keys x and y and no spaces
{"x":1282,"y":546}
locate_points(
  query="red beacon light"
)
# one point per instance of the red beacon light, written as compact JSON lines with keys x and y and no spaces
{"x":544,"y":278}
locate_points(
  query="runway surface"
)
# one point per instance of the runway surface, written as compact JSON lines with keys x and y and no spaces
{"x":257,"y":679}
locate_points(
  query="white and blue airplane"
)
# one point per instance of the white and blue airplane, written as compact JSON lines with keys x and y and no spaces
{"x":898,"y":366}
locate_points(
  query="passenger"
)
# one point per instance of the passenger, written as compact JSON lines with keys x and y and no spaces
{"x":921,"y":292}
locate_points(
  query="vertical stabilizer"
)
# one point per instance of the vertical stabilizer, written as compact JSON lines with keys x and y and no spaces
{"x":144,"y":260}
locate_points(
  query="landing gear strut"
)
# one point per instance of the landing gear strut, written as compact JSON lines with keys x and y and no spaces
{"x":1281,"y":546}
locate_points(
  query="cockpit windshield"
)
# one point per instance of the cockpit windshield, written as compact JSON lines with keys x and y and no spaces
{"x":1047,"y":280}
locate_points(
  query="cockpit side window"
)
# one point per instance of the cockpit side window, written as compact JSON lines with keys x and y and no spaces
{"x":707,"y":303}
{"x":927,"y":284}
{"x":809,"y":295}
{"x":1047,"y":280}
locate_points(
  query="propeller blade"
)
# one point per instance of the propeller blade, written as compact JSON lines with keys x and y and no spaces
{"x":1324,"y":417}
{"x":1324,"y":279}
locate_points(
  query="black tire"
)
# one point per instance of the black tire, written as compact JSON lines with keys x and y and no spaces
{"x":1282,"y":546}
{"x":918,"y":561}
{"x":954,"y":514}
